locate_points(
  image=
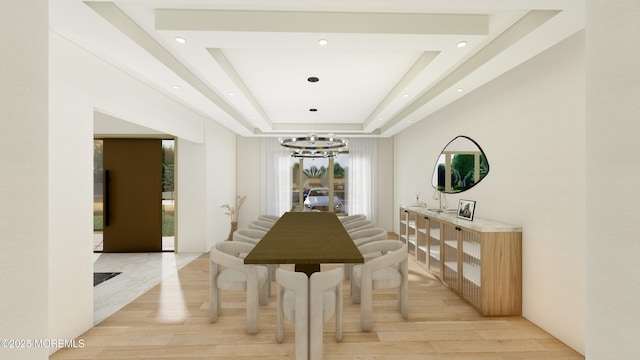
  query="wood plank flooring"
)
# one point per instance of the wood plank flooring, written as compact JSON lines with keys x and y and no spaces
{"x":171,"y":321}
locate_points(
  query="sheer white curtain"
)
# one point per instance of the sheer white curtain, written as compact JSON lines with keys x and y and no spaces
{"x":361,"y":178}
{"x":276,"y":188}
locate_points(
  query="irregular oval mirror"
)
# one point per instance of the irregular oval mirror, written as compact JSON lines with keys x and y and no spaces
{"x":461,"y":165}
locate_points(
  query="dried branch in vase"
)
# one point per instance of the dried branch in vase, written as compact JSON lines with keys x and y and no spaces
{"x":233,"y":212}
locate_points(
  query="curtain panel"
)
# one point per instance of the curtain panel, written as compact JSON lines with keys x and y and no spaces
{"x":361,"y":177}
{"x":276,"y":190}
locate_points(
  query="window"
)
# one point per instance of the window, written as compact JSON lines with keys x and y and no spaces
{"x":318,"y":184}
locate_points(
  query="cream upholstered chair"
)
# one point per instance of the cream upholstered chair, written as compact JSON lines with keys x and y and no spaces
{"x":358,"y":225}
{"x":293,"y":304}
{"x":270,"y":218}
{"x":309,"y":302}
{"x":387,"y":271}
{"x":325,"y":300}
{"x":361,"y":237}
{"x":228,"y":272}
{"x":261,"y":225}
{"x":349,"y":218}
{"x":252,"y":236}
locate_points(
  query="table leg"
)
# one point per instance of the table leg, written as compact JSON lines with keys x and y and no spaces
{"x":307,"y":268}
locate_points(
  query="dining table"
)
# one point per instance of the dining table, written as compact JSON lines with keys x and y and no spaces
{"x":306,"y":239}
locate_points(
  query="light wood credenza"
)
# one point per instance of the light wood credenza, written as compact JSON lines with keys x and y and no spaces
{"x":480,"y":260}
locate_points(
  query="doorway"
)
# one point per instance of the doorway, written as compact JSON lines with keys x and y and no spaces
{"x":133,"y":195}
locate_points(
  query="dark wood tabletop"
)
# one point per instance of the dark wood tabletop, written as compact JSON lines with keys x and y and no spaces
{"x":306,"y":239}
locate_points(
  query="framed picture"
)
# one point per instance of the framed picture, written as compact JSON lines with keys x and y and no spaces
{"x":466,"y":208}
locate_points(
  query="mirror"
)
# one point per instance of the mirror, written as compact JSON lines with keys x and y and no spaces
{"x":461,"y":165}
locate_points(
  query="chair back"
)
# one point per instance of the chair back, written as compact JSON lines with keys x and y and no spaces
{"x":294,"y":307}
{"x":358,"y":225}
{"x":226,"y":253}
{"x":252,"y":236}
{"x":349,"y":218}
{"x":393,"y":251}
{"x":363,"y":236}
{"x":368,"y":232}
{"x":261,"y":225}
{"x":269,"y":218}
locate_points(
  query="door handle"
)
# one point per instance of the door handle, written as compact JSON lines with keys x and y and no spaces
{"x":106,"y":205}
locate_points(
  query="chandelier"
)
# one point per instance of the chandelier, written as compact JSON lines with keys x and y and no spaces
{"x":314,"y":146}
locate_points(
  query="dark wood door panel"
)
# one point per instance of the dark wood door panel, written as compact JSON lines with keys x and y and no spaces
{"x":134,"y":195}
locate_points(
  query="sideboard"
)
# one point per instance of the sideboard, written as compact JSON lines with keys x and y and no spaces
{"x":480,"y":260}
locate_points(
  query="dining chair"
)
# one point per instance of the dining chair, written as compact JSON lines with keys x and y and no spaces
{"x":252,"y":236}
{"x":349,"y":218}
{"x":270,"y":218}
{"x":361,"y":237}
{"x":387,"y":271}
{"x":261,"y":225}
{"x":293,"y":304}
{"x":325,"y":292}
{"x":358,"y":225}
{"x":228,"y":272}
{"x":309,"y":302}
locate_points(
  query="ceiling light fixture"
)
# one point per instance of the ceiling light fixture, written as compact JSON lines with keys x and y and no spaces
{"x":459,"y":89}
{"x":323,"y":42}
{"x":176,"y":87}
{"x":314,"y":146}
{"x":181,"y":40}
{"x":461,"y":44}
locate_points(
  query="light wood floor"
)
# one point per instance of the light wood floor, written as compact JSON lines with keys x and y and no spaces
{"x":171,"y":321}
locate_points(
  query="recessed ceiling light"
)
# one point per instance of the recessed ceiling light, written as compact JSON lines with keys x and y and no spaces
{"x":461,"y":44}
{"x":323,"y":42}
{"x":405,"y":95}
{"x":176,"y":87}
{"x":181,"y":40}
{"x":313,"y":79}
{"x":459,"y":89}
{"x":231,"y":93}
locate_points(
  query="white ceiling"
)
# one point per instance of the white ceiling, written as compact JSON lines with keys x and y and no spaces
{"x":387,"y":64}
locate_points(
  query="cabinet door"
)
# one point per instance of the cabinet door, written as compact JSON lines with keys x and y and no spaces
{"x":452,"y":265}
{"x":411,"y":233}
{"x":404,"y":218}
{"x":422,"y":235}
{"x":433,"y":246}
{"x":471,"y":266}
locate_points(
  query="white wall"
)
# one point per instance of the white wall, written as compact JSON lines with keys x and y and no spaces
{"x":221,"y":180}
{"x":249,"y":175}
{"x":191,"y":187}
{"x":384,"y":182}
{"x":80,"y":84}
{"x":24,"y":212}
{"x":531,"y":124}
{"x":613,"y":179}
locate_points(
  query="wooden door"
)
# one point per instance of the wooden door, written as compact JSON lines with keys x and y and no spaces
{"x":133,"y":195}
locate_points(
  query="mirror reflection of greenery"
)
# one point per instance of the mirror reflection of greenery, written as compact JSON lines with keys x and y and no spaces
{"x":462,"y":172}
